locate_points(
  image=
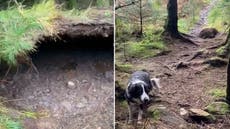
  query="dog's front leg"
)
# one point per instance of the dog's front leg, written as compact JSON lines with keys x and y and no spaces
{"x":140,"y":114}
{"x":131,"y":113}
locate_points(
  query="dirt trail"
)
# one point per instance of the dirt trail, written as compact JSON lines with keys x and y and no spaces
{"x":181,"y":88}
{"x":203,"y":21}
{"x":187,"y":87}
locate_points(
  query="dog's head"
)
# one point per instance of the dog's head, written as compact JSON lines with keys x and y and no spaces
{"x":139,"y":90}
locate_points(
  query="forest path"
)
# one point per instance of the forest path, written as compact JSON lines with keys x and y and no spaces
{"x":187,"y":86}
{"x":185,"y":79}
{"x":203,"y":21}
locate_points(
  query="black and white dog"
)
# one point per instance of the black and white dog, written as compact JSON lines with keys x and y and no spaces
{"x":137,"y":93}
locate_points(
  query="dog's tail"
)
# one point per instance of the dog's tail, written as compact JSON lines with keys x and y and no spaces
{"x":156,"y":83}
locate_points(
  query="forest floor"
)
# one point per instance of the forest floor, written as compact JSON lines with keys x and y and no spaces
{"x":187,"y":82}
{"x":54,"y":103}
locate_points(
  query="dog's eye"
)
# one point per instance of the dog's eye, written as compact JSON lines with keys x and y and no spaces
{"x":136,"y":91}
{"x":147,"y":89}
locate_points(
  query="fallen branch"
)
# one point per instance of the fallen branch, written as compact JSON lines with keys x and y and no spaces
{"x":125,"y":5}
{"x":166,"y":66}
{"x":198,"y":53}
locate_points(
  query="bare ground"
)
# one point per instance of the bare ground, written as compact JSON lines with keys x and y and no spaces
{"x":89,"y":104}
{"x":186,"y":87}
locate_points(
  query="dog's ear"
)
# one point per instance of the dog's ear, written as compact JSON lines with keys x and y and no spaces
{"x":156,"y":82}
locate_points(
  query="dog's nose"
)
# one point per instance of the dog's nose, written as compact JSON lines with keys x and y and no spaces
{"x":146,"y":100}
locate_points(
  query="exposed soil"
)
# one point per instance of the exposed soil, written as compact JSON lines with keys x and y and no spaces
{"x":86,"y":62}
{"x":183,"y":86}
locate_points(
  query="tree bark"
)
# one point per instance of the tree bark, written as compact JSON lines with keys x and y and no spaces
{"x":171,"y":27}
{"x":141,"y":19}
{"x":228,"y":83}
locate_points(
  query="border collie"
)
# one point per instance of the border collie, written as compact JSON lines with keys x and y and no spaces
{"x":137,"y":93}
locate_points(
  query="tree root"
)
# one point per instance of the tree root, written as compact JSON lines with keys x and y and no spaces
{"x":214,"y":62}
{"x":198,"y":53}
{"x":217,"y":46}
{"x":181,"y":36}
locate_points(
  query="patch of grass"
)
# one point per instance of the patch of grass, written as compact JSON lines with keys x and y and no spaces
{"x":154,"y":113}
{"x":103,"y":3}
{"x":81,"y":15}
{"x":219,"y":16}
{"x":220,"y":51}
{"x":185,"y":24}
{"x":217,"y":92}
{"x":124,"y":104}
{"x":220,"y":108}
{"x":124,"y":67}
{"x":11,"y":118}
{"x":8,"y":123}
{"x":148,"y":46}
{"x":190,"y":14}
{"x":21,"y":26}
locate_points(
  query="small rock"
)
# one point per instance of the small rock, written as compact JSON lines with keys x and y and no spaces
{"x":71,"y":85}
{"x":31,"y":97}
{"x":183,"y":112}
{"x":199,"y":116}
{"x":80,"y":105}
{"x":47,"y":90}
{"x":199,"y":112}
{"x":84,"y":81}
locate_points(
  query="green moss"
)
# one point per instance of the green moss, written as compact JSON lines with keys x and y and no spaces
{"x":217,"y":92}
{"x":220,"y":51}
{"x":154,"y":113}
{"x":148,"y":46}
{"x":124,"y":104}
{"x":8,"y":123}
{"x":124,"y":67}
{"x":219,"y":108}
{"x":219,"y":16}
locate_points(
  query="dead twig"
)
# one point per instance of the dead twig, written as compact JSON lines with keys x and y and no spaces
{"x":166,"y":66}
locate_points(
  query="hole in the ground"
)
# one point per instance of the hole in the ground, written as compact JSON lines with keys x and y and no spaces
{"x":75,"y":78}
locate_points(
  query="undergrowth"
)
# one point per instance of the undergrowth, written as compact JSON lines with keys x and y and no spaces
{"x":148,"y":46}
{"x":219,"y":16}
{"x":11,"y":118}
{"x":190,"y":14}
{"x":20,"y":27}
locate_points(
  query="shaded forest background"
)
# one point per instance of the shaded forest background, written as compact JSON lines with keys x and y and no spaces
{"x":68,"y":4}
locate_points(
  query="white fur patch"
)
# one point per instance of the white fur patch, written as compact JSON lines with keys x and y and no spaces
{"x":157,"y":82}
{"x":144,"y":95}
{"x":138,"y":81}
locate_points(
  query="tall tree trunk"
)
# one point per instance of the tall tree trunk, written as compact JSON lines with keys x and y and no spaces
{"x":228,"y":83}
{"x":171,"y":27}
{"x":228,"y":69}
{"x":141,"y":19}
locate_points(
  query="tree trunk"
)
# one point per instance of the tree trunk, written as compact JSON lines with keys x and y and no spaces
{"x":141,"y":19}
{"x":228,"y":69}
{"x":228,"y":83}
{"x":171,"y":27}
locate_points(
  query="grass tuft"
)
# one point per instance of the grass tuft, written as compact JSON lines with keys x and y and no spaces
{"x":20,"y":27}
{"x":217,"y":93}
